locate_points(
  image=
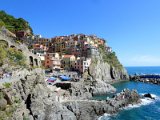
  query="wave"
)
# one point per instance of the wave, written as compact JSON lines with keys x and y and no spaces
{"x":106,"y":116}
{"x":144,"y":101}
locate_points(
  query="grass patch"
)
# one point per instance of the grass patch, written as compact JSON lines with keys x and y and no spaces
{"x":1,"y":95}
{"x":7,"y":85}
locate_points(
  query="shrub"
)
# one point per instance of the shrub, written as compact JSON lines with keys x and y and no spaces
{"x":3,"y":55}
{"x":110,"y":57}
{"x":16,"y":57}
{"x":1,"y":95}
{"x":12,"y":23}
{"x":7,"y":85}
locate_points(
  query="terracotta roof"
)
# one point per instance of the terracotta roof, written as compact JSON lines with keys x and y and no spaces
{"x":67,"y":56}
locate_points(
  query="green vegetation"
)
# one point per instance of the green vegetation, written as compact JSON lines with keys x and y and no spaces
{"x":25,"y":118}
{"x":16,"y":57}
{"x":3,"y":55}
{"x":16,"y":100}
{"x":13,"y":24}
{"x":1,"y":95}
{"x":11,"y":56}
{"x":7,"y":85}
{"x":8,"y":112}
{"x":110,"y":57}
{"x":9,"y":109}
{"x":2,"y":23}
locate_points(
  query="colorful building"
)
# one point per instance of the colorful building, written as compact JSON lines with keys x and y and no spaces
{"x":52,"y":60}
{"x":81,"y":64}
{"x":59,"y":44}
{"x":67,"y":61}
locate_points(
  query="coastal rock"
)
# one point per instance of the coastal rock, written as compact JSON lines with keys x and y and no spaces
{"x":100,"y":70}
{"x":36,"y":101}
{"x":102,"y":88}
{"x":148,"y":95}
{"x":90,"y":110}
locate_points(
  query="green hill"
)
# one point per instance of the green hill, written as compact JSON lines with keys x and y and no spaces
{"x":14,"y":24}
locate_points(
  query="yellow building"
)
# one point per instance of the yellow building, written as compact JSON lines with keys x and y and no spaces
{"x":67,"y":61}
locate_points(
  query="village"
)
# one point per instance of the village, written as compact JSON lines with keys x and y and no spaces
{"x":64,"y":58}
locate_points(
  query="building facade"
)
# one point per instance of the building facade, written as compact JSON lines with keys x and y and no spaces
{"x":52,"y":61}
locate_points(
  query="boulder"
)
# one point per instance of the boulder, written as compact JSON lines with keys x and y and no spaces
{"x":148,"y":95}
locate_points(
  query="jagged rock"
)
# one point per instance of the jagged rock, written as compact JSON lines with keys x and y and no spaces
{"x":90,"y":110}
{"x":102,"y":71}
{"x":102,"y":88}
{"x":148,"y":95}
{"x":8,"y":98}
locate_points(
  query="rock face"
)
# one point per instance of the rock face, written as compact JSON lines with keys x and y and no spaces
{"x":101,"y":74}
{"x":90,"y":110}
{"x":30,"y":57}
{"x":102,"y":71}
{"x":30,"y":98}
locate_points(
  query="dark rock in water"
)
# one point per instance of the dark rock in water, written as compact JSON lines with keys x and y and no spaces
{"x":91,"y":109}
{"x":148,"y":95}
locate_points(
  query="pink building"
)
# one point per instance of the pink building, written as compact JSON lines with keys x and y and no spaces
{"x":81,"y":64}
{"x":52,"y":60}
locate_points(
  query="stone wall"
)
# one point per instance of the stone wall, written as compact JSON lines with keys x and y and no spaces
{"x":32,"y":59}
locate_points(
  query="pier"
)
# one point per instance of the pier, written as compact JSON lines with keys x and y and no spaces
{"x":147,"y":78}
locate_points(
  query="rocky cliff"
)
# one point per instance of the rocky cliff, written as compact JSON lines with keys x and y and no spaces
{"x":102,"y":73}
{"x":29,"y":98}
{"x":106,"y":67}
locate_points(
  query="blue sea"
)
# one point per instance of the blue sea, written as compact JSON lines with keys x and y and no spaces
{"x":148,"y":109}
{"x":143,"y":70}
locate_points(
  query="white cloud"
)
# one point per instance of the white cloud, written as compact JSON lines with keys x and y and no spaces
{"x":144,"y":60}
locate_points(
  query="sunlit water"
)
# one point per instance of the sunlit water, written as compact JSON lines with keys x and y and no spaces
{"x":148,"y":109}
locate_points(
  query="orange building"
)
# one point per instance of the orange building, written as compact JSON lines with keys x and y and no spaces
{"x":52,"y":60}
{"x":59,"y":44}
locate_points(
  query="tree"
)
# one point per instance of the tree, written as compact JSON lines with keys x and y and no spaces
{"x":2,"y":23}
{"x":14,"y":24}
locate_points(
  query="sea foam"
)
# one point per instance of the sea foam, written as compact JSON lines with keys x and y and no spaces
{"x":144,"y":101}
{"x":106,"y":116}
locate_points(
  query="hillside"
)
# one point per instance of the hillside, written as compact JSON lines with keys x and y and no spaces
{"x":14,"y":24}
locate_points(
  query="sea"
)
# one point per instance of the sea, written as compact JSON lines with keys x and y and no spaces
{"x":148,"y":109}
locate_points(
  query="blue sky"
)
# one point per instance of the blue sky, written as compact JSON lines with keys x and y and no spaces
{"x":131,"y":27}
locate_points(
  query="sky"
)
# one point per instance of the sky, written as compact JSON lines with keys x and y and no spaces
{"x":130,"y":27}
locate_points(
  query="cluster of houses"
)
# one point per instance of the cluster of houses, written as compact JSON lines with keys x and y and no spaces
{"x":71,"y":52}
